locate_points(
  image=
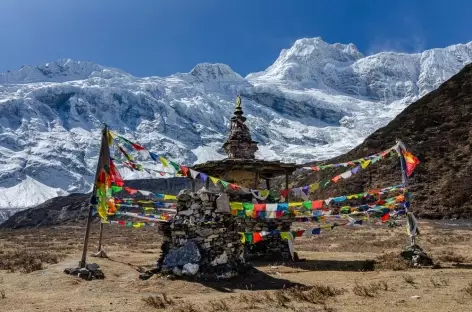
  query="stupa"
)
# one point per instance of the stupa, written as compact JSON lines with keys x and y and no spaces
{"x":241,"y":166}
{"x":243,"y":169}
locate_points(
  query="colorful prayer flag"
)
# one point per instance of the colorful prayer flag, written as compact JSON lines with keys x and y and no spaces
{"x":411,"y":162}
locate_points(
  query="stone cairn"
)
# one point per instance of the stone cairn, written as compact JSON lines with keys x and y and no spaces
{"x":202,"y":239}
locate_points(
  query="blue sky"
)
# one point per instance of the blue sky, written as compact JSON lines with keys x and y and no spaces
{"x":157,"y":37}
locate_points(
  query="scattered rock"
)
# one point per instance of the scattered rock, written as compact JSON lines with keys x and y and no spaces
{"x":416,"y":256}
{"x":90,"y":272}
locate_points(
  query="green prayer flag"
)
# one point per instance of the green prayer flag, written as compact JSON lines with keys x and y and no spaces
{"x":248,"y":206}
{"x":116,"y":189}
{"x":248,"y":237}
{"x":307,"y":205}
{"x":224,"y":183}
{"x":176,"y":166}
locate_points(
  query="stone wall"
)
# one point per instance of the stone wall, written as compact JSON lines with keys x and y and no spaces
{"x":272,"y":247}
{"x":203,"y":238}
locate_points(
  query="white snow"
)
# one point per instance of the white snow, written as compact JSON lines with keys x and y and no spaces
{"x":316,"y":101}
{"x":29,"y":193}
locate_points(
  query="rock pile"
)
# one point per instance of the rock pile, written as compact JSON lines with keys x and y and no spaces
{"x":416,"y":256}
{"x":90,"y":272}
{"x":203,"y":237}
{"x":272,"y":247}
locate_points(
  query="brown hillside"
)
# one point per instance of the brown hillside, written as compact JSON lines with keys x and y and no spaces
{"x":438,"y":130}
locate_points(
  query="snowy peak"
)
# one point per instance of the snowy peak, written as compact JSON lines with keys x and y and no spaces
{"x":316,"y":51}
{"x":307,"y":57}
{"x":59,"y":71}
{"x":207,"y":72}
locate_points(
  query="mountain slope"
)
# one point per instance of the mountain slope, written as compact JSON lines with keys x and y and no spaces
{"x":316,"y":101}
{"x":438,"y":131}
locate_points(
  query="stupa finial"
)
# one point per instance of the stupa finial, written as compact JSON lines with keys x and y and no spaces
{"x":239,"y":143}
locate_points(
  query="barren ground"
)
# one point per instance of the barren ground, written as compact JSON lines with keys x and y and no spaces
{"x":337,"y":274}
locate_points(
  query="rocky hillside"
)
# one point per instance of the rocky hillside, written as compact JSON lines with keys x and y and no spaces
{"x":438,"y":130}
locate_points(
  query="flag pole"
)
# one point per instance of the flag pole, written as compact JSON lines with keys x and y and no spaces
{"x":412,"y":226}
{"x":104,"y":156}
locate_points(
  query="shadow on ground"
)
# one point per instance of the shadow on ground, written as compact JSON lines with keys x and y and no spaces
{"x":326,"y":265}
{"x":252,"y":279}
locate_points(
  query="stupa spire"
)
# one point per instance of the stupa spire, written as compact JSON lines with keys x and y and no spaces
{"x":239,"y":144}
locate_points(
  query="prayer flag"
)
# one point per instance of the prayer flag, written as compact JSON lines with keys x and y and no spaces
{"x":184,"y":170}
{"x":214,"y":180}
{"x":163,"y":161}
{"x":411,"y":162}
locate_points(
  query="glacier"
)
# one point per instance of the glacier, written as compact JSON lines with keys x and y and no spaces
{"x":316,"y":101}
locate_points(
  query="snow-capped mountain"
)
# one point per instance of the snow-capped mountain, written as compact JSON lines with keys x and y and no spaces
{"x":316,"y":101}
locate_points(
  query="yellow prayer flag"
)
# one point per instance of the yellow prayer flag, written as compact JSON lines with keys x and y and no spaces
{"x":365,"y":164}
{"x":243,"y":237}
{"x":314,"y":186}
{"x":264,"y":193}
{"x":236,"y":206}
{"x":296,"y":204}
{"x":286,"y":235}
{"x":214,"y":180}
{"x":164,"y":161}
{"x":170,"y":197}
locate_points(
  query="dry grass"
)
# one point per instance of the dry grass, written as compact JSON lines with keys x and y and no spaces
{"x":439,"y":282}
{"x":286,"y":298}
{"x":159,"y":301}
{"x":409,"y":279}
{"x":391,"y":261}
{"x":27,"y":261}
{"x":219,"y":306}
{"x":371,"y":289}
{"x":186,"y":307}
{"x":451,"y":256}
{"x":468,"y":289}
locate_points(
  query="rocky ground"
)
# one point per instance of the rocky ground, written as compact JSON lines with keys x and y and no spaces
{"x":345,"y":269}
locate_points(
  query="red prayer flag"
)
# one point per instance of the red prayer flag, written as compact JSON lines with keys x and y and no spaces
{"x":184,"y":170}
{"x":256,"y":237}
{"x":315,"y":168}
{"x":385,"y":217}
{"x":411,"y":162}
{"x":284,"y":193}
{"x":115,"y":175}
{"x":259,"y":207}
{"x":317,"y":204}
{"x":130,"y":190}
{"x":336,"y":178}
{"x":138,"y":147}
{"x":234,"y":186}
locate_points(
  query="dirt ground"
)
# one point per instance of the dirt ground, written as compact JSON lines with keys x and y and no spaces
{"x":338,"y":274}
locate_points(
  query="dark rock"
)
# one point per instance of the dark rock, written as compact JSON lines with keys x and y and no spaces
{"x":188,"y":253}
{"x":416,"y":256}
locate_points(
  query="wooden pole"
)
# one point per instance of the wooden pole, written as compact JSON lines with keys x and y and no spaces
{"x":100,"y":238}
{"x":103,"y":158}
{"x":286,"y":187}
{"x":400,"y":148}
{"x":256,"y":181}
{"x":207,"y":184}
{"x":193,"y":185}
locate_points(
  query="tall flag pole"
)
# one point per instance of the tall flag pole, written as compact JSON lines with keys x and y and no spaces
{"x":99,"y":188}
{"x":408,"y":162}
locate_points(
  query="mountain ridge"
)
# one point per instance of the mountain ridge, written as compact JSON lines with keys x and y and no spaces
{"x":49,"y":129}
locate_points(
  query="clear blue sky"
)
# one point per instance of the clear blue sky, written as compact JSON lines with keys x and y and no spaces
{"x":157,"y":37}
